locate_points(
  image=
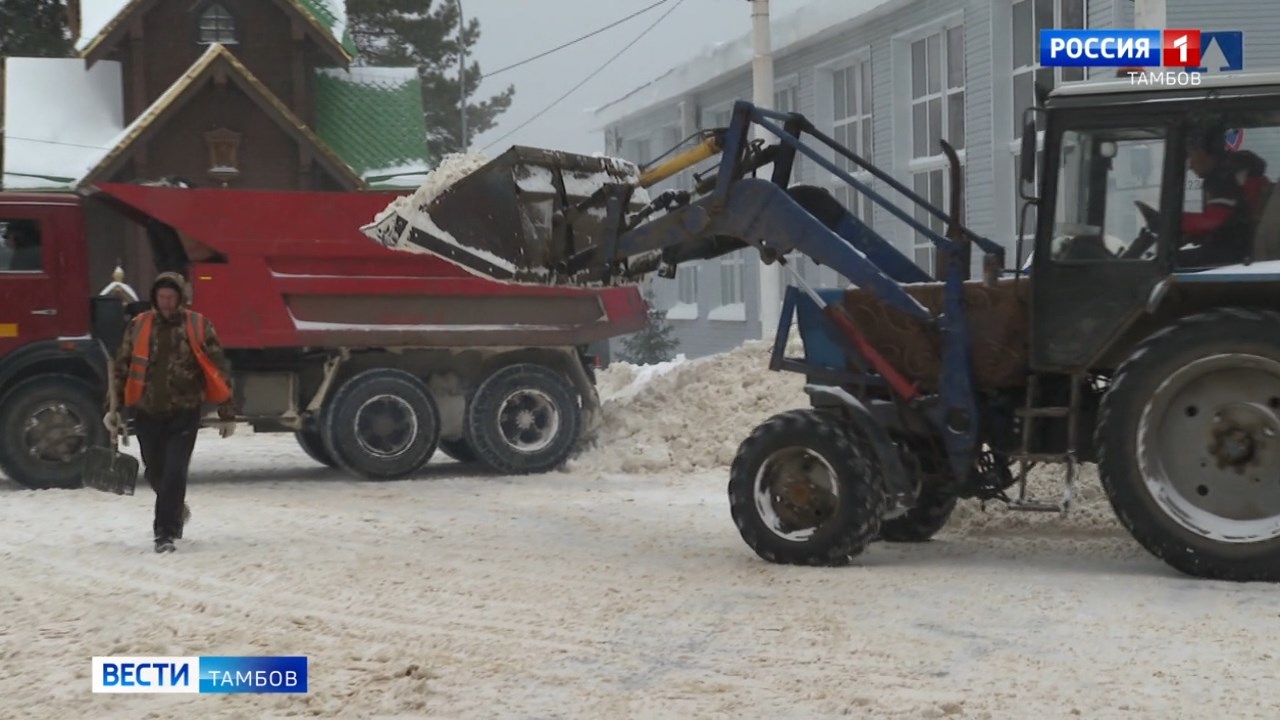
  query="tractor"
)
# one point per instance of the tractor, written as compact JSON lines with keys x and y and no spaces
{"x":1126,"y":335}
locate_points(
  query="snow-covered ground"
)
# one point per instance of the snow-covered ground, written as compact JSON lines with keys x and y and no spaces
{"x":598,"y":594}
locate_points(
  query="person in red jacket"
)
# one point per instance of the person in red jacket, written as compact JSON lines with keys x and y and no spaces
{"x":1222,"y":231}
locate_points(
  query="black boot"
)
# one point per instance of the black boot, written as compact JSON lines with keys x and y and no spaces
{"x":165,"y":545}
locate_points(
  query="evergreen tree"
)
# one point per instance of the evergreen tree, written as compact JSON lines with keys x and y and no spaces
{"x":653,"y":344}
{"x":34,"y":28}
{"x":424,"y":34}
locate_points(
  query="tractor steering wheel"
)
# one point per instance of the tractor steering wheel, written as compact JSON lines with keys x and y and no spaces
{"x":1147,"y":235}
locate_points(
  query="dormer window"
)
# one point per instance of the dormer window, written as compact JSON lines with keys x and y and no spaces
{"x":217,"y":26}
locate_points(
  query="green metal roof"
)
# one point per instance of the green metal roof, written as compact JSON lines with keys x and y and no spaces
{"x":332,"y":14}
{"x":373,"y":119}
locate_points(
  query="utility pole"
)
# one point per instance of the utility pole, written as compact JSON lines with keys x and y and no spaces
{"x":1149,"y":14}
{"x":462,"y":77}
{"x":770,"y":294}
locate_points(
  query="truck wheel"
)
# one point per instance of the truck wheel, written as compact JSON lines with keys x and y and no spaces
{"x":802,"y":491}
{"x":458,"y":450}
{"x":46,"y":424}
{"x":524,"y":419}
{"x":934,"y":503}
{"x":312,"y":443}
{"x":381,"y":424}
{"x":1189,"y":445}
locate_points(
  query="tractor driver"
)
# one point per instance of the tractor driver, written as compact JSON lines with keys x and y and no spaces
{"x":1222,"y":233}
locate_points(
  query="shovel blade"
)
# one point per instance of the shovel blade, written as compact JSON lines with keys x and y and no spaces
{"x":109,"y":470}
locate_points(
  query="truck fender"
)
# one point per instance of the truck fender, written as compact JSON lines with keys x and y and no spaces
{"x":83,"y":357}
{"x":898,"y":485}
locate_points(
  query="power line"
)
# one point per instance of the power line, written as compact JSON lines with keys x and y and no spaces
{"x":575,"y":41}
{"x":588,"y":78}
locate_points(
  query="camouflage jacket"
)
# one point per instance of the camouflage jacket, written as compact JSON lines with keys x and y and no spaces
{"x":174,"y":380}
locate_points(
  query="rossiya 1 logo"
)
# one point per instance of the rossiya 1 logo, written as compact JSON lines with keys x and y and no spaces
{"x":1152,"y":57}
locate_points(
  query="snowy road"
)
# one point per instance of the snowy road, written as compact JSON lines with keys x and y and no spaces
{"x":461,"y":595}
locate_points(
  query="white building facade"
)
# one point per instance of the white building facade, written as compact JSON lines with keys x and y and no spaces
{"x":888,"y":78}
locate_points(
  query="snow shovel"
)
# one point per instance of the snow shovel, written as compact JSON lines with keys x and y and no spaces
{"x":106,"y":468}
{"x":109,"y":470}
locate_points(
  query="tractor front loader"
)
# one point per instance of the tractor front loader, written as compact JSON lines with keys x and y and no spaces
{"x":1111,"y":347}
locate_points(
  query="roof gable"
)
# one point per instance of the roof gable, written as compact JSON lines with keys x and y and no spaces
{"x":373,"y":119}
{"x":104,"y":22}
{"x":216,"y":58}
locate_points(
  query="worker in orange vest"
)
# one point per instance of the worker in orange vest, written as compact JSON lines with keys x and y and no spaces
{"x":170,"y":364}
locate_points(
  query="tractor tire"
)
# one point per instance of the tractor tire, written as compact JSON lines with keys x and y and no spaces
{"x":1188,"y":445}
{"x":524,"y":419}
{"x":46,"y":424}
{"x":777,"y":504}
{"x":312,"y":443}
{"x":934,"y":503}
{"x":381,"y":424}
{"x":458,"y":450}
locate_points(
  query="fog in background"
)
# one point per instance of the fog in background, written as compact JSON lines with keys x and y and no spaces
{"x":512,"y":30}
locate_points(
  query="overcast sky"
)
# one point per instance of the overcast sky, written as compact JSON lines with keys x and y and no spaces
{"x":512,"y":30}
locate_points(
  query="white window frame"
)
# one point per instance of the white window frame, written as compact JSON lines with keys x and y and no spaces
{"x":907,"y":166}
{"x":825,"y":118}
{"x":688,"y":282}
{"x":733,"y":266}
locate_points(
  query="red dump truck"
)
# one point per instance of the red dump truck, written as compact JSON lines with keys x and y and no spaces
{"x":374,"y":358}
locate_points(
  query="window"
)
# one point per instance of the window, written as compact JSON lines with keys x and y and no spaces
{"x":937,"y":113}
{"x":1102,"y":174}
{"x":1029,"y":17}
{"x":687,"y":283}
{"x":20,"y":250}
{"x":851,"y":126}
{"x":731,"y":279}
{"x":217,"y":26}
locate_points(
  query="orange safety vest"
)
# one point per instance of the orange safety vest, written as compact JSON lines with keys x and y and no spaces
{"x":216,"y":389}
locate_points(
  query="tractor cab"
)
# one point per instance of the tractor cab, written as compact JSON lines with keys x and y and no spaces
{"x":1142,"y":192}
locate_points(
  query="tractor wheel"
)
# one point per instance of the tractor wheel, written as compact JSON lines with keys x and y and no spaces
{"x":381,"y":424}
{"x":524,"y":419}
{"x":934,"y":503}
{"x":803,"y":492}
{"x":312,"y":443}
{"x":46,"y":424}
{"x":458,"y":450}
{"x":1189,"y":445}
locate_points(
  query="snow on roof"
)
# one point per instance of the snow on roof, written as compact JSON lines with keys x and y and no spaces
{"x":95,"y":15}
{"x":375,"y":76}
{"x":61,"y":119}
{"x":332,"y":15}
{"x":812,"y":23}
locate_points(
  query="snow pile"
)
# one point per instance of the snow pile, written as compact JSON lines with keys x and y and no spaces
{"x":690,"y":415}
{"x":686,"y":416}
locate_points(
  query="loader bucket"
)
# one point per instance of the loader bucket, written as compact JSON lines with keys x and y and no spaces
{"x":518,"y":218}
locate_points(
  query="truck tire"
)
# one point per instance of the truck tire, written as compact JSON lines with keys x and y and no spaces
{"x":312,"y":443}
{"x":1188,"y":445}
{"x":802,"y":491}
{"x":458,"y":450}
{"x":46,"y":424}
{"x":381,"y":424}
{"x":524,"y":419}
{"x":934,"y":503}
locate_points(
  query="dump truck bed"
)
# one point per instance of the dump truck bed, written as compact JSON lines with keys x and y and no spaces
{"x":293,"y":269}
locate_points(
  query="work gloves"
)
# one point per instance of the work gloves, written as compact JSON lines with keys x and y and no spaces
{"x":226,"y":421}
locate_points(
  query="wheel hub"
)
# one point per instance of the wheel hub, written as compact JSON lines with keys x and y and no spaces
{"x":796,"y":492}
{"x":529,"y":420}
{"x":386,"y":426}
{"x":54,"y":433}
{"x":1208,"y":449}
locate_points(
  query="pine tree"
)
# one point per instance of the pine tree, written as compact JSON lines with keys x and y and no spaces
{"x":34,"y":28}
{"x":653,"y":344}
{"x":424,"y":34}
